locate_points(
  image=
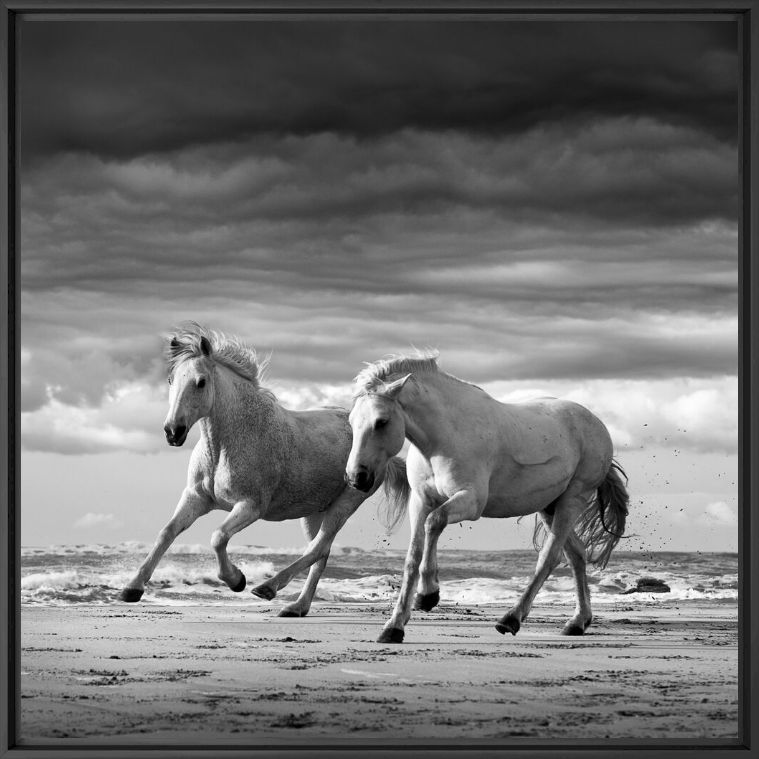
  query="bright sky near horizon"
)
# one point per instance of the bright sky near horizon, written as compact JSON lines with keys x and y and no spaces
{"x":553,"y":206}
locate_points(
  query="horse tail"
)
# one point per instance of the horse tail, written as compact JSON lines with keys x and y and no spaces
{"x":602,"y":524}
{"x":397,"y":492}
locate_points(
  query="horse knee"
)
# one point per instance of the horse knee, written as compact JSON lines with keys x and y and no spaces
{"x":219,"y":540}
{"x":436,"y":522}
{"x":167,"y":535}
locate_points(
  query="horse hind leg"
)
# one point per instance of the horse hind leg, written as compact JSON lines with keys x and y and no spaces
{"x":574,"y":550}
{"x":300,"y":607}
{"x":567,"y":509}
{"x":318,"y":549}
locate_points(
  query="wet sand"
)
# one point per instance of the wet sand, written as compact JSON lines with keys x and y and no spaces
{"x":165,"y":675}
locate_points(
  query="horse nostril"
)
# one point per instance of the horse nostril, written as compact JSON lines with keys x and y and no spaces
{"x":364,"y":481}
{"x":180,"y":431}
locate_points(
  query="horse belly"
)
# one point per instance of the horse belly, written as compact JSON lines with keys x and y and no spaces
{"x":522,"y":490}
{"x":301,"y":496}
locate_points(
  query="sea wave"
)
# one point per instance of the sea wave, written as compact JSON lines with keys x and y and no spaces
{"x":95,"y":573}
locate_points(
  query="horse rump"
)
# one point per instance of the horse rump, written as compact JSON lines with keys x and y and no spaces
{"x":602,"y":525}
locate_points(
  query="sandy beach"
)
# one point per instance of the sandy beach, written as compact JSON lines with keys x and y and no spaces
{"x":237,"y":675}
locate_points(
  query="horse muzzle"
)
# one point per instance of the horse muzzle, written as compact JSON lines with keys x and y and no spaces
{"x":175,"y":435}
{"x":363,"y":480}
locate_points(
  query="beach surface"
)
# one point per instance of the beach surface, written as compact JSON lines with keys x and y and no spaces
{"x":215,"y":675}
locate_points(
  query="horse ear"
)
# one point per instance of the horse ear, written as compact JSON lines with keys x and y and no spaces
{"x":205,"y":346}
{"x":174,"y":343}
{"x":394,"y":388}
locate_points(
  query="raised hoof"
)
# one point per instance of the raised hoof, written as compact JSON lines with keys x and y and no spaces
{"x":240,"y":585}
{"x":428,"y":601}
{"x":290,"y":613}
{"x":264,"y":591}
{"x":508,"y":624}
{"x":131,"y":595}
{"x":391,"y":635}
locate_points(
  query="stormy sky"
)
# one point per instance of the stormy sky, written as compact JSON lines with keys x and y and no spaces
{"x":553,"y":206}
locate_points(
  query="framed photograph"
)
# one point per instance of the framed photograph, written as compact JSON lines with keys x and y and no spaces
{"x":379,"y":378}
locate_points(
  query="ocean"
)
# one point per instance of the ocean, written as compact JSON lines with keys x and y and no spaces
{"x":60,"y":575}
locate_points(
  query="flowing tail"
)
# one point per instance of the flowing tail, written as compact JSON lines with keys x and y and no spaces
{"x":602,"y":524}
{"x":397,"y":491}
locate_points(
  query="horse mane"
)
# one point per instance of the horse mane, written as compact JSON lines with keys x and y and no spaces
{"x":227,"y":350}
{"x":379,"y":372}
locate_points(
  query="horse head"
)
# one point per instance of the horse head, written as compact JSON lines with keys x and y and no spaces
{"x":379,"y":430}
{"x":191,"y":387}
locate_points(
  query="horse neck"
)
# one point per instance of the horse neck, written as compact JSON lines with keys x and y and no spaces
{"x":431,"y":411}
{"x":237,"y":405}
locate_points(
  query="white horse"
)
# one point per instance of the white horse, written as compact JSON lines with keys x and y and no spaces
{"x":256,"y":460}
{"x":472,"y":456}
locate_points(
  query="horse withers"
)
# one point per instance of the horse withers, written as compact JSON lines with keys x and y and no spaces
{"x":472,"y":456}
{"x":256,"y":460}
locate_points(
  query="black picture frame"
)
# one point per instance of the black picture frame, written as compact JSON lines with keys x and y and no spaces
{"x":747,"y":13}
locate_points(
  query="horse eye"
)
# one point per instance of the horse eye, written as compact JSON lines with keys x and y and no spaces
{"x":201,"y":383}
{"x":380,"y":423}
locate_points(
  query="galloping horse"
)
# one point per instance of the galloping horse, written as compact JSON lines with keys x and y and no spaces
{"x":472,"y":456}
{"x":256,"y":460}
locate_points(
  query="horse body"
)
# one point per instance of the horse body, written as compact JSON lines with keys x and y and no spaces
{"x":255,"y":460}
{"x":250,"y":447}
{"x":473,"y":456}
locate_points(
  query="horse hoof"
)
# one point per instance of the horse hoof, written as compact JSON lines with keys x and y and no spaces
{"x":264,"y":591}
{"x":391,"y":635}
{"x":573,"y":629}
{"x":131,"y":595}
{"x":290,"y":613}
{"x":240,"y":585}
{"x":508,"y":624}
{"x":428,"y":601}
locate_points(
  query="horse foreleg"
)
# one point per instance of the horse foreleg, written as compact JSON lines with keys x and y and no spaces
{"x":318,"y":549}
{"x":567,"y":509}
{"x":191,"y":506}
{"x":393,"y":631}
{"x":462,"y":506}
{"x":242,"y":514}
{"x":301,"y":605}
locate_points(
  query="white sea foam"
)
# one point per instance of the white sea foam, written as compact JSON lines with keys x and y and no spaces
{"x":60,"y":575}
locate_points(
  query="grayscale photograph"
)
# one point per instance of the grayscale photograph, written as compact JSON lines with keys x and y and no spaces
{"x":379,"y":380}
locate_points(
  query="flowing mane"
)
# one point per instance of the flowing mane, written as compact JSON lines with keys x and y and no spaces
{"x":227,"y":350}
{"x":379,"y":372}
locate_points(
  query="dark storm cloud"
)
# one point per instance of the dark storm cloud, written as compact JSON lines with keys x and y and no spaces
{"x":125,"y":89}
{"x":335,"y":213}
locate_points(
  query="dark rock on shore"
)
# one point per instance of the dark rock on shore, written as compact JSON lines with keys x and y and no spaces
{"x":649,"y":585}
